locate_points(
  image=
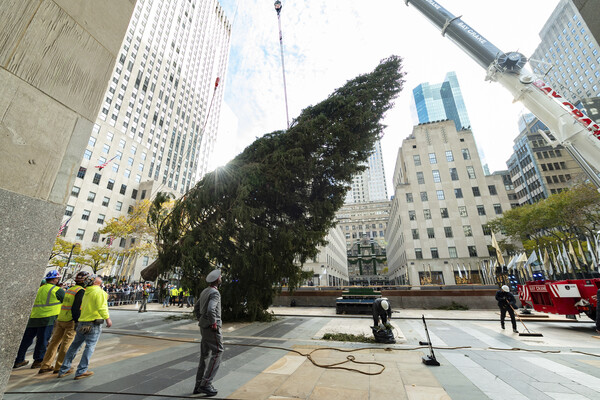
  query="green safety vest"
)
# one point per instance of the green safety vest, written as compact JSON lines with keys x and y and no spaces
{"x":46,"y":303}
{"x":65,"y":310}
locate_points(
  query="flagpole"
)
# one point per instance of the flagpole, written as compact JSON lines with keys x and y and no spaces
{"x":278,"y":7}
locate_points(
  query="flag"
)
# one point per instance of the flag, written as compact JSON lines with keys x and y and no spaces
{"x":498,"y":251}
{"x":529,"y":263}
{"x":580,"y":249}
{"x":548,"y":262}
{"x":465,"y":270}
{"x":109,"y":241}
{"x":511,"y":265}
{"x":559,"y":260}
{"x":592,"y":253}
{"x":459,"y":271}
{"x":567,"y":261}
{"x":543,"y":266}
{"x":101,"y":166}
{"x":574,"y":255}
{"x":63,"y":226}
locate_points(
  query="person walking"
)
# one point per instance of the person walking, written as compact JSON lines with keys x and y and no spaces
{"x":64,"y":327}
{"x":94,"y":311}
{"x":507,"y":303}
{"x":44,"y":313}
{"x":167,"y":296}
{"x":174,"y":294}
{"x":208,"y":312}
{"x":381,"y":310}
{"x":145,"y":294}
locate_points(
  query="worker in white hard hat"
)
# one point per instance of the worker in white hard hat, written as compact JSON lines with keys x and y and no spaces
{"x":208,"y":311}
{"x":381,"y":310}
{"x":507,"y":303}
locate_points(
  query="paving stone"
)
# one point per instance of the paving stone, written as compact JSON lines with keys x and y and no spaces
{"x":330,"y":393}
{"x":415,"y":392}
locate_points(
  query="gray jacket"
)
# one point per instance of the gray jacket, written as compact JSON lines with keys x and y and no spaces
{"x":208,"y":308}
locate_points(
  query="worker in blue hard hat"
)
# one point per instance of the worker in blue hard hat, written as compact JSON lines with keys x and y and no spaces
{"x":46,"y":308}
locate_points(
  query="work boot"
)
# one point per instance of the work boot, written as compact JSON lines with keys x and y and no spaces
{"x":515,"y":330}
{"x":21,"y":364}
{"x":44,"y":370}
{"x":70,"y":371}
{"x":84,"y":375}
{"x":208,"y":390}
{"x":36,"y":364}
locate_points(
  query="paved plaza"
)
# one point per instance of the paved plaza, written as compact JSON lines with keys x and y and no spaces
{"x":154,"y":355}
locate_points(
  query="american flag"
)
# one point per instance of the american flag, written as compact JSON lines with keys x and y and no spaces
{"x":101,"y":166}
{"x":63,"y":226}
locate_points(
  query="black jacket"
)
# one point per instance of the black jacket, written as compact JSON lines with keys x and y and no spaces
{"x":378,"y":310}
{"x":505,"y":298}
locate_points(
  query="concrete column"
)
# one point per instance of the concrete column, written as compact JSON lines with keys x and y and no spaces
{"x":56,"y":59}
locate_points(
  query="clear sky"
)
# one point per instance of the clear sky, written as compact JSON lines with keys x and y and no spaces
{"x":327,"y":42}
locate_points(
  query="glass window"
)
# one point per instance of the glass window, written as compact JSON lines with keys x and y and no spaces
{"x":115,"y":167}
{"x":123,"y":189}
{"x":472,"y":251}
{"x":130,"y":161}
{"x":432,"y":159}
{"x":476,"y":192}
{"x":417,"y":160}
{"x":448,"y":231}
{"x":412,"y":215}
{"x":122,"y":242}
{"x":105,"y":201}
{"x":462,"y":211}
{"x":423,"y":196}
{"x":95,"y":237}
{"x":486,"y":230}
{"x":471,"y":172}
{"x":81,"y":173}
{"x":91,"y":196}
{"x":409,"y":197}
{"x":138,"y":178}
{"x":86,"y":215}
{"x":427,"y":213}
{"x":119,"y":205}
{"x":420,"y":178}
{"x":492,"y":189}
{"x":418,"y":254}
{"x":466,"y":154}
{"x":449,"y":155}
{"x":480,"y":210}
{"x":110,"y":184}
{"x":79,"y":234}
{"x":96,"y":179}
{"x":468,"y":231}
{"x":430,"y":233}
{"x":92,"y":142}
{"x":69,"y":210}
{"x":134,"y":194}
{"x":453,"y":174}
{"x":434,"y":252}
{"x":101,"y":218}
{"x":436,"y":176}
{"x":458,"y":193}
{"x":87,"y":154}
{"x":440,"y":194}
{"x":497,"y":208}
{"x":444,"y":212}
{"x":415,"y":233}
{"x":75,"y":191}
{"x":105,"y":148}
{"x":452,"y":252}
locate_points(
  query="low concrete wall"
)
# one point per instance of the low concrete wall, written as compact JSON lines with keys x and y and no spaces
{"x":426,"y":299}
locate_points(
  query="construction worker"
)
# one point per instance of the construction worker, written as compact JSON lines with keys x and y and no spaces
{"x":167,"y":296}
{"x":94,"y":311}
{"x":174,"y":294}
{"x":208,"y":312}
{"x":180,"y":296}
{"x":46,"y":308}
{"x":64,"y":327}
{"x":145,"y":294}
{"x":381,"y":309}
{"x":507,"y":303}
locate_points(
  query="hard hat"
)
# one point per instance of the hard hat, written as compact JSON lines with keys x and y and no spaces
{"x":213,"y":276}
{"x":52,"y":274}
{"x":385,"y":305}
{"x":89,"y":280}
{"x":505,"y":288}
{"x":81,"y":276}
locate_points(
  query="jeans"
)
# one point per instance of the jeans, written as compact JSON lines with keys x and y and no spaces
{"x":90,"y":340}
{"x":166,"y":301}
{"x":42,"y":335}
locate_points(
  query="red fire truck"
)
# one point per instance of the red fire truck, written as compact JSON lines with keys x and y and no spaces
{"x":567,"y":297}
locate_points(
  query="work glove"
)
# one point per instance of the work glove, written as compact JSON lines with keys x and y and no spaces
{"x":214,"y":326}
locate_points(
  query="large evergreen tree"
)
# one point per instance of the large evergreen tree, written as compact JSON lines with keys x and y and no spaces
{"x":263,"y":215}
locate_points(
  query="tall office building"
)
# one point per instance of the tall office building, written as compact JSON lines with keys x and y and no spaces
{"x":568,"y":56}
{"x":370,"y":184}
{"x":441,"y":207}
{"x":441,"y":101}
{"x":537,"y":169}
{"x":155,"y":130}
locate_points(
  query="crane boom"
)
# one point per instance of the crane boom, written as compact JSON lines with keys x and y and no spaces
{"x":577,"y":133}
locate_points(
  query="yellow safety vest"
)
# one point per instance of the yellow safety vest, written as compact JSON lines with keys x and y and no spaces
{"x":174,"y":292}
{"x":46,"y":303}
{"x":65,"y":313}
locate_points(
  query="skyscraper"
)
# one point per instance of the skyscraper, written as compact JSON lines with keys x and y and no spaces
{"x":568,"y":55}
{"x":159,"y":118}
{"x":370,"y":184}
{"x":441,"y":101}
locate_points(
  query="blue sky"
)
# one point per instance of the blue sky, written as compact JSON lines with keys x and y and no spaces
{"x":327,"y":42}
